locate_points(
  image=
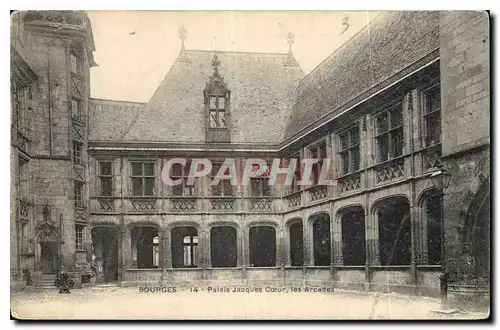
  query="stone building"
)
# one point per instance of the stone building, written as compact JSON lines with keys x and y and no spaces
{"x":51,"y":53}
{"x":387,"y":110}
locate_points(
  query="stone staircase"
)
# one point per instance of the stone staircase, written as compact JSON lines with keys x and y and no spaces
{"x":46,"y":282}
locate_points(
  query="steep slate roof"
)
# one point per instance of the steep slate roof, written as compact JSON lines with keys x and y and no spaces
{"x":390,"y":43}
{"x":109,"y":120}
{"x":262,"y":94}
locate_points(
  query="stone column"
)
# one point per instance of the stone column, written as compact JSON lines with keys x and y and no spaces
{"x":372,"y":239}
{"x":121,"y":232}
{"x":336,"y":229}
{"x":306,"y":240}
{"x":167,"y":255}
{"x":420,"y":228}
{"x":162,"y":247}
{"x":204,"y":246}
{"x":414,"y":244}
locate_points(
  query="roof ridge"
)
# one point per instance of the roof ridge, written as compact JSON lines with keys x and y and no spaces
{"x":234,"y":52}
{"x":120,"y":101}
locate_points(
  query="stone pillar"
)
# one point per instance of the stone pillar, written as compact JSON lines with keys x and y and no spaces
{"x":204,"y":246}
{"x":121,"y":252}
{"x":126,"y":250}
{"x":162,"y":245}
{"x":337,"y":247}
{"x":414,"y":243}
{"x":279,"y":248}
{"x":372,"y":239}
{"x":243,"y":249}
{"x":420,"y":227}
{"x":167,"y":251}
{"x":306,"y":241}
{"x":286,"y":246}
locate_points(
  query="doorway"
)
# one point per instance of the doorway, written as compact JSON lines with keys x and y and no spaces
{"x":49,"y":257}
{"x":105,"y":253}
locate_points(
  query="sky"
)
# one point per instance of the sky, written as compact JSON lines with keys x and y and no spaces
{"x":135,"y":49}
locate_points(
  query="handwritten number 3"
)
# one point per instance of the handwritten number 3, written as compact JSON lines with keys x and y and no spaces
{"x":345,"y":23}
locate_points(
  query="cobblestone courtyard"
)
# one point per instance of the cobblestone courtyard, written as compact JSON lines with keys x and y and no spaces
{"x":130,"y":303}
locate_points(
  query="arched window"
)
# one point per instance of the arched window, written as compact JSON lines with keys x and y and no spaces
{"x":296,"y":244}
{"x":223,"y":246}
{"x":353,"y":236}
{"x":394,"y":231}
{"x":144,"y":248}
{"x":432,"y":214}
{"x":185,"y":253}
{"x":262,"y":244}
{"x":321,"y":240}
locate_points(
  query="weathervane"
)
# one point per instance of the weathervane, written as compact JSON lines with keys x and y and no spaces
{"x":290,"y":40}
{"x":182,"y":36}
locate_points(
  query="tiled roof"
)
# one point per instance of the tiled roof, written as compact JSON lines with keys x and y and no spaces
{"x":386,"y":46}
{"x":262,"y":94}
{"x":110,"y":120}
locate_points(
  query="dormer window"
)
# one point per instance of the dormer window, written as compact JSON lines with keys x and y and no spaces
{"x":217,"y":106}
{"x":217,"y":111}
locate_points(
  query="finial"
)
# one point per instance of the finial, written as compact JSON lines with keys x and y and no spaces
{"x":290,"y":40}
{"x":216,"y":63}
{"x":182,"y":36}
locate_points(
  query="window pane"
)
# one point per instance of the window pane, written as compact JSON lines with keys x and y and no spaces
{"x":177,"y":190}
{"x":344,"y":141}
{"x":137,"y":186}
{"x":433,"y":129}
{"x":228,"y":188}
{"x":382,"y":123}
{"x":222,"y":102}
{"x":314,"y":152}
{"x":106,"y":186}
{"x":187,"y":239}
{"x":77,"y":153}
{"x":266,"y":189}
{"x":255,"y":186}
{"x":354,"y":136}
{"x":75,"y":108}
{"x":105,"y":168}
{"x":217,"y":189}
{"x":137,"y":169}
{"x":189,"y":190}
{"x":355,"y":158}
{"x":322,"y":151}
{"x":345,"y":161}
{"x":78,"y":194}
{"x":149,"y":169}
{"x":195,"y":239}
{"x":432,"y":100}
{"x":397,"y":142}
{"x":150,"y":186}
{"x":396,"y":117}
{"x":176,"y":170}
{"x":213,"y":119}
{"x":383,"y":147}
{"x":215,"y":169}
{"x":212,"y":102}
{"x":222,"y":119}
{"x":73,"y":62}
{"x":187,"y":255}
